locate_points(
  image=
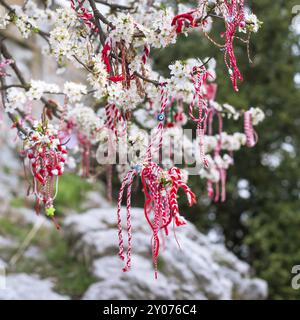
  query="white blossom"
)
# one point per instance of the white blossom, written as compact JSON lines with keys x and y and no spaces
{"x":60,"y":40}
{"x":257,"y":115}
{"x":16,"y":99}
{"x":128,"y":99}
{"x":25,"y":25}
{"x":252,"y":21}
{"x":162,"y":33}
{"x":4,"y":21}
{"x":124,"y":28}
{"x":73,"y":45}
{"x":38,"y":88}
{"x":86,"y":120}
{"x":65,"y":17}
{"x":98,"y":78}
{"x":74,"y":91}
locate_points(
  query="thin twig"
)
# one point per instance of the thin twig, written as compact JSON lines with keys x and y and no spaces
{"x":114,"y":5}
{"x":154,"y":82}
{"x":13,"y":65}
{"x":83,"y":64}
{"x":45,"y":35}
{"x":6,"y":6}
{"x":99,"y":16}
{"x":5,"y":87}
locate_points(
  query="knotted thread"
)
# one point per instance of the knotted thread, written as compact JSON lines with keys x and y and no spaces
{"x":113,"y":117}
{"x":161,"y":198}
{"x":233,"y":17}
{"x":84,"y":14}
{"x":217,"y":152}
{"x":251,"y":135}
{"x":199,"y":77}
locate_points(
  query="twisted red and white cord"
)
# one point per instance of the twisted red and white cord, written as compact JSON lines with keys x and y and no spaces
{"x":84,"y":14}
{"x":115,"y":120}
{"x":175,"y":175}
{"x":183,"y":21}
{"x":127,"y":182}
{"x":146,"y":53}
{"x":162,"y":201}
{"x":199,"y":79}
{"x":217,"y":151}
{"x":153,"y":203}
{"x":233,"y":17}
{"x":105,"y":54}
{"x":251,"y":135}
{"x":157,"y":138}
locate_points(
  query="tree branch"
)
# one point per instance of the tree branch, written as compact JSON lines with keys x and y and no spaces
{"x":114,"y":5}
{"x":6,"y":6}
{"x":81,"y":63}
{"x":13,"y":65}
{"x":5,"y":87}
{"x":154,"y":82}
{"x":45,"y":35}
{"x":10,"y":115}
{"x":99,"y":16}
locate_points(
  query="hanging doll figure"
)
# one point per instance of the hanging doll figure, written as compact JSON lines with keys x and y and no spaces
{"x":46,"y":156}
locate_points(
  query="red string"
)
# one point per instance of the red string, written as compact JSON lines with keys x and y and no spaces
{"x":113,"y":117}
{"x":251,"y":135}
{"x":84,"y":14}
{"x":184,"y":20}
{"x":127,"y":181}
{"x":162,"y":201}
{"x":233,"y":17}
{"x":217,"y":151}
{"x":146,"y":53}
{"x":105,"y":54}
{"x":199,"y":78}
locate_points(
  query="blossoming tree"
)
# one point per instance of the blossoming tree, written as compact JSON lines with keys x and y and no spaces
{"x":109,"y":116}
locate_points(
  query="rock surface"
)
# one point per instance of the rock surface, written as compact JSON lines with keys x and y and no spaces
{"x":6,"y":242}
{"x":199,"y":270}
{"x":22,"y":286}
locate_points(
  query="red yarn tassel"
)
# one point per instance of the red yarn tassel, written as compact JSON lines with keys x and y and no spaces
{"x":184,"y":20}
{"x":234,"y":17}
{"x":199,"y":78}
{"x":251,"y":135}
{"x":105,"y":52}
{"x":127,"y":181}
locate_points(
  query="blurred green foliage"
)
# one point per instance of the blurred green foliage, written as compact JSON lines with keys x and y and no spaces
{"x":17,"y":202}
{"x":264,"y":228}
{"x":13,"y":230}
{"x":71,"y":277}
{"x":72,"y":190}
